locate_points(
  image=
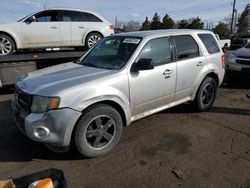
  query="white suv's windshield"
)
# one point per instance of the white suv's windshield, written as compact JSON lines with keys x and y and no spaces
{"x":112,"y":52}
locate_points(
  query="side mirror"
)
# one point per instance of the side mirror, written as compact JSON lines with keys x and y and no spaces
{"x":143,"y":64}
{"x":31,"y":19}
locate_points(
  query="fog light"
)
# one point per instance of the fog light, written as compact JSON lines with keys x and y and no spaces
{"x":41,"y":132}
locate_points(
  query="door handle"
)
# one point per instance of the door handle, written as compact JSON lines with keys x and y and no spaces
{"x":167,"y":72}
{"x":200,"y":63}
{"x":81,"y":27}
{"x":53,"y":27}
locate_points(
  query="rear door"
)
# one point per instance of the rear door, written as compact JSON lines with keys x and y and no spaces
{"x":76,"y":22}
{"x":45,"y":32}
{"x":150,"y":89}
{"x":190,"y":62}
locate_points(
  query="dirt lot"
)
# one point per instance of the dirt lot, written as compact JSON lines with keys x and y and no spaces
{"x":209,"y":149}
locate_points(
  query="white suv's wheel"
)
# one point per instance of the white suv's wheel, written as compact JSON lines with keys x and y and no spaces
{"x":92,"y":39}
{"x":7,"y":45}
{"x":98,"y":131}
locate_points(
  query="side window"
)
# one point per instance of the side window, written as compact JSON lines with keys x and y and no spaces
{"x":210,"y":43}
{"x":91,"y":18}
{"x":158,"y":50}
{"x":72,"y":16}
{"x":48,"y":16}
{"x":186,"y":47}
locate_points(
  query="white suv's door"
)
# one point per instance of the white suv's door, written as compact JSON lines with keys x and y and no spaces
{"x":75,"y":21}
{"x":44,"y":32}
{"x":189,"y":65}
{"x":151,"y":89}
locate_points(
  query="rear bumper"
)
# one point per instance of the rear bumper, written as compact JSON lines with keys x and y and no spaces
{"x":57,"y":124}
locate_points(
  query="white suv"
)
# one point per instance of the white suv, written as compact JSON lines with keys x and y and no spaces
{"x":54,"y":28}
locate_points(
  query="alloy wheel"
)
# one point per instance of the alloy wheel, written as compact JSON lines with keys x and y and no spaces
{"x":5,"y":46}
{"x":100,"y":132}
{"x":93,"y":40}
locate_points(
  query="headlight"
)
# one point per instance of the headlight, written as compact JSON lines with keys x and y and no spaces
{"x":231,"y":58}
{"x":43,"y":104}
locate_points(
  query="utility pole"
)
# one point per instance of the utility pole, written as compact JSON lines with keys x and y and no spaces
{"x":232,"y":20}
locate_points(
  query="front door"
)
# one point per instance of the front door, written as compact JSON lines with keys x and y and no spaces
{"x":44,"y":32}
{"x":151,"y":89}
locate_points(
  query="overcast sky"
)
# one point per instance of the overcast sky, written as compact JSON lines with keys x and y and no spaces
{"x":126,"y":10}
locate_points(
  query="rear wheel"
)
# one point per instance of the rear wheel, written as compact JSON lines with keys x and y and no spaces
{"x":92,"y":39}
{"x":7,"y":45}
{"x":206,"y":94}
{"x":98,"y":131}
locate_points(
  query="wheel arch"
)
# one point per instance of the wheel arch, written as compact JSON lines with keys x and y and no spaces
{"x":211,"y":75}
{"x":111,"y":103}
{"x":90,"y":32}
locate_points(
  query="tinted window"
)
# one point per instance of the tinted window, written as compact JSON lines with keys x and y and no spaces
{"x":51,"y":16}
{"x":210,"y":43}
{"x":158,"y":50}
{"x":72,"y":16}
{"x":186,"y":47}
{"x":91,"y":18}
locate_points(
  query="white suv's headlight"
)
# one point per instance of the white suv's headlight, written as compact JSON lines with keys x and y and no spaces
{"x":231,"y":58}
{"x":43,"y":104}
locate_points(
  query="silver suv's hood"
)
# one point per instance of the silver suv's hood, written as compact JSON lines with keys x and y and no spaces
{"x":54,"y":79}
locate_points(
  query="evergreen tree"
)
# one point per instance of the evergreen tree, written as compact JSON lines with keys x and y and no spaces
{"x":221,"y":29}
{"x":196,"y":23}
{"x":146,"y":25}
{"x":183,"y":24}
{"x":156,"y":22}
{"x":244,"y":21}
{"x":167,"y":22}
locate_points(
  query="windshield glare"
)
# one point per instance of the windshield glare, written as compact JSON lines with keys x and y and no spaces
{"x":111,"y":53}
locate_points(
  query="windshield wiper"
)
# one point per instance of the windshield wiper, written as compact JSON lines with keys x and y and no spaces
{"x":77,"y":61}
{"x":90,"y":65}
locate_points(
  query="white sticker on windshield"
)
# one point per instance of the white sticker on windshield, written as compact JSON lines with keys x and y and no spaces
{"x":131,"y":41}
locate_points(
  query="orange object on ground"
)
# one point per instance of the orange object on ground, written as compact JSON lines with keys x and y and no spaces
{"x":45,"y":183}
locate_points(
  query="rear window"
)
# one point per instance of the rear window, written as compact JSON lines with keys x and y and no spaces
{"x":210,"y":43}
{"x":91,"y":18}
{"x":72,"y":16}
{"x":186,"y":47}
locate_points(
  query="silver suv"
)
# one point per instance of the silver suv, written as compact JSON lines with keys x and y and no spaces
{"x":122,"y":79}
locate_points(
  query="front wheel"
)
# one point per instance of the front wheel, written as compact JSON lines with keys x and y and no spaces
{"x":98,"y":131}
{"x":206,"y":94}
{"x":7,"y":45}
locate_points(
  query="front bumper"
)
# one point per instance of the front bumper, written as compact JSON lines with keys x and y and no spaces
{"x":237,"y":67}
{"x":59,"y":124}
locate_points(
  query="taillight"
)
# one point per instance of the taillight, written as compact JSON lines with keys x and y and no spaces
{"x":111,"y":27}
{"x":223,"y":61}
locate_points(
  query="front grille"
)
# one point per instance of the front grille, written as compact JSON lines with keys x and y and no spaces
{"x":243,"y":62}
{"x":23,"y":99}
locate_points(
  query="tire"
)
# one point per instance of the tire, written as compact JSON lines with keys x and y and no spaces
{"x":92,"y":39}
{"x":98,"y":131}
{"x":206,"y":94}
{"x":7,"y":45}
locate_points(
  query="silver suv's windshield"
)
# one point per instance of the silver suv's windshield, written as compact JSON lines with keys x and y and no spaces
{"x":248,"y":45}
{"x":111,"y":53}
